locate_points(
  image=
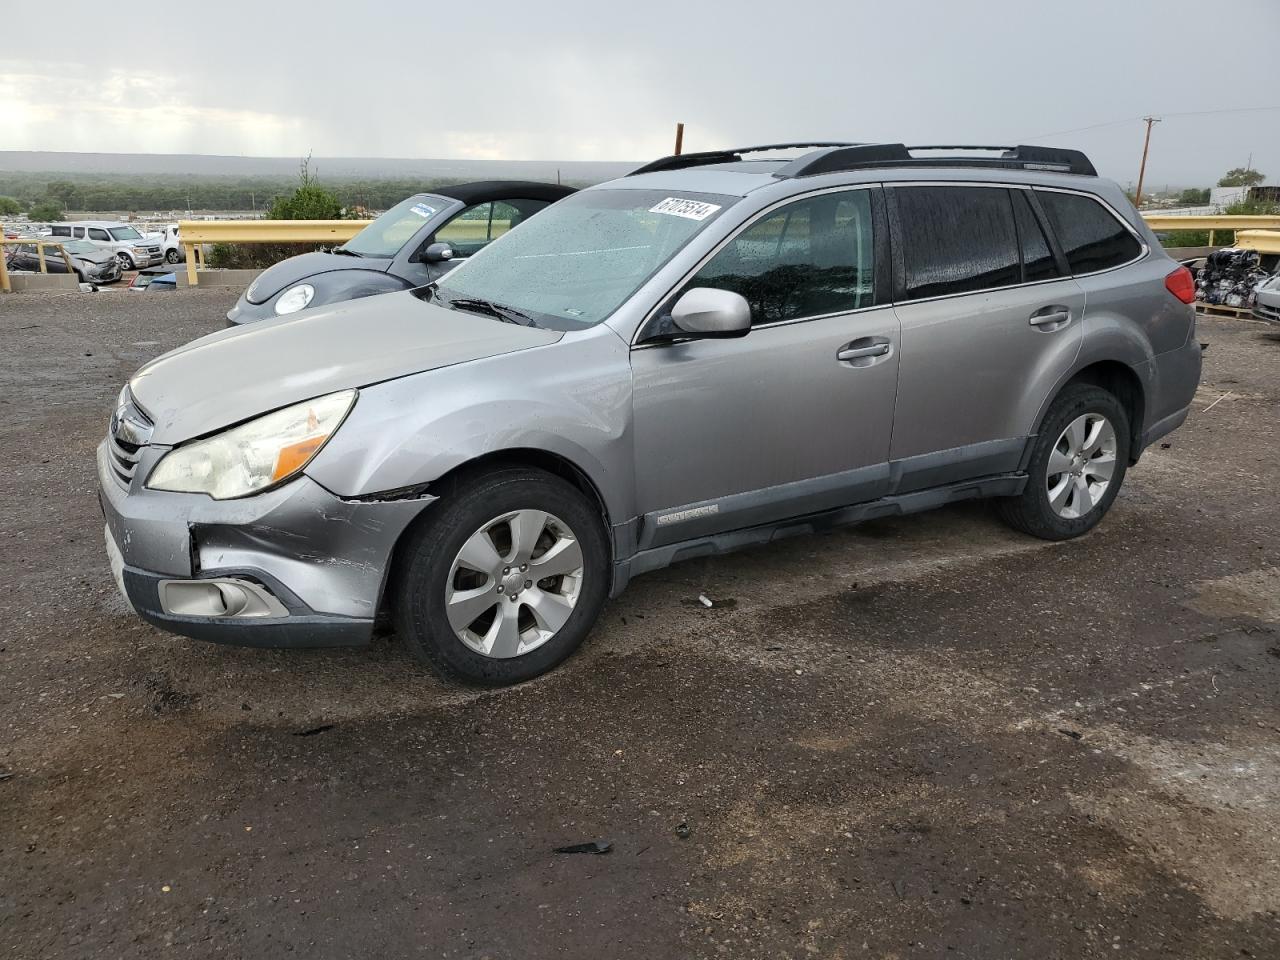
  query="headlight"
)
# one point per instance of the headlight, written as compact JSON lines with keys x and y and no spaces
{"x":294,"y":299}
{"x":254,"y":455}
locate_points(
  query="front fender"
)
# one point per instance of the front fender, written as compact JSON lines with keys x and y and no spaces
{"x":571,"y":398}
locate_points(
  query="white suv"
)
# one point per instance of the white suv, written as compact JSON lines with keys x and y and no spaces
{"x":133,"y":249}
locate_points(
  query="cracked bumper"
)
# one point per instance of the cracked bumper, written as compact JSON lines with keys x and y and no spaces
{"x":323,"y":558}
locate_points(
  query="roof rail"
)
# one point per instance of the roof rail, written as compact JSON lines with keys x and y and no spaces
{"x":857,"y":156}
{"x":680,"y":161}
{"x":832,"y":157}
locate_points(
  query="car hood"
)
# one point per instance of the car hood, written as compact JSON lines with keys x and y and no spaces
{"x":98,"y":256}
{"x":288,"y":272}
{"x":240,"y":373}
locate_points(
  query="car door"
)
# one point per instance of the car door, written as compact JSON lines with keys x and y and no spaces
{"x":796,"y":416}
{"x":990,"y":319}
{"x":477,"y":226}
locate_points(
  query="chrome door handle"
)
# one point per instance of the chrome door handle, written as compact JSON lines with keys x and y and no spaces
{"x":858,"y":353}
{"x":1052,"y":316}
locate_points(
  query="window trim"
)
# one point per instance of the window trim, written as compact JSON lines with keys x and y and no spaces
{"x":899,"y":265}
{"x":879,"y":246}
{"x":1144,"y":248}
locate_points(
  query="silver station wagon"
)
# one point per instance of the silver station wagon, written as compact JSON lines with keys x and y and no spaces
{"x":720,"y":349}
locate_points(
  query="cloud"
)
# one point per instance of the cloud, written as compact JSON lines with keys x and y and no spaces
{"x":64,"y":106}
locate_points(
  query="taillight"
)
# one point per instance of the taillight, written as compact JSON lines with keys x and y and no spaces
{"x":1182,"y":285}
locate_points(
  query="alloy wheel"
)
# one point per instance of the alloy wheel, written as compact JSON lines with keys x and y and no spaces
{"x":514,"y":583}
{"x":1081,"y":466}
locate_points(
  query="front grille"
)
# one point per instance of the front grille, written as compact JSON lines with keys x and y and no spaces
{"x":130,"y":431}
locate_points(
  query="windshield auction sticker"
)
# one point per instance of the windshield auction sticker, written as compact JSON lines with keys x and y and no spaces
{"x":689,"y":209}
{"x":422,"y":210}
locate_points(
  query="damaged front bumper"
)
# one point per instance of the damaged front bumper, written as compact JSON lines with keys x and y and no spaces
{"x":291,"y":567}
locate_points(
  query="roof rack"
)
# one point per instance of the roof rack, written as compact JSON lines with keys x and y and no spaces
{"x":834,"y":157}
{"x":681,"y":160}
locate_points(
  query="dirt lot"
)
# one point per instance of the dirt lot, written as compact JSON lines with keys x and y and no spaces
{"x":920,"y":738}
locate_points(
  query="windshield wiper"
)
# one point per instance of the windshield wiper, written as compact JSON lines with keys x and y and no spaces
{"x":498,"y":310}
{"x":343,"y":251}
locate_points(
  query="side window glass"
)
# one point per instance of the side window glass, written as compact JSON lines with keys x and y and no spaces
{"x":812,"y":257}
{"x":79,"y":233}
{"x":468,"y":232}
{"x":61,"y":231}
{"x":1092,"y":238}
{"x":1038,"y":262}
{"x":504,"y":217}
{"x":957,"y":240}
{"x":96,"y":234}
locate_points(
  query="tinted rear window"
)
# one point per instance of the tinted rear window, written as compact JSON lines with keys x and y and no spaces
{"x":957,"y":239}
{"x":1091,"y":237}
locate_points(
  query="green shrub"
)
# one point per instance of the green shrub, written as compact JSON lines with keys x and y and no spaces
{"x":45,"y":210}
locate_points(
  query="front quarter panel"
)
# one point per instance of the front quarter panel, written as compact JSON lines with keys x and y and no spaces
{"x":571,"y":398}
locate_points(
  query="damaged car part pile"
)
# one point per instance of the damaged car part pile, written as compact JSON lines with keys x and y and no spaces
{"x":1230,"y":277}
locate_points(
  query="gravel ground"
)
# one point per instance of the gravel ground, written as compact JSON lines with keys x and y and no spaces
{"x":922,"y":737}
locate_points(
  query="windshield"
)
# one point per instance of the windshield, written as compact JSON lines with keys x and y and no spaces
{"x":576,"y":262}
{"x":391,"y":231}
{"x":124,"y":233}
{"x":79,"y":246}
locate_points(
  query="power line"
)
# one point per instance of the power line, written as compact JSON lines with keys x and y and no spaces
{"x":1183,"y":113}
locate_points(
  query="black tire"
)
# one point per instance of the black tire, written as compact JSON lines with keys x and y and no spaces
{"x":171,"y":256}
{"x":425,"y":561}
{"x":126,"y":261}
{"x":1031,"y":512}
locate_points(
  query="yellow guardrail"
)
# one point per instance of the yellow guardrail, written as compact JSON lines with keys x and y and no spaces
{"x":197,"y":232}
{"x":40,"y":245}
{"x":1264,"y":241}
{"x":1158,"y":221}
{"x":1251,"y":224}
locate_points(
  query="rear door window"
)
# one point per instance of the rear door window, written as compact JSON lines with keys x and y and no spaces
{"x":813,"y":257}
{"x":957,"y":240}
{"x":61,"y":231}
{"x":1038,"y":261}
{"x":97,"y":234}
{"x":1090,"y":235}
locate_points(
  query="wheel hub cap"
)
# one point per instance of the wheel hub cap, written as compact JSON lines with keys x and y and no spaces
{"x":1081,"y":465}
{"x":514,"y":583}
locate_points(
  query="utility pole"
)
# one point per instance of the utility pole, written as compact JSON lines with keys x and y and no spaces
{"x":679,"y":138}
{"x":1142,"y":170}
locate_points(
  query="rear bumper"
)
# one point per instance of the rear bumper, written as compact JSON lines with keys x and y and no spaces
{"x":313,"y":565}
{"x":1176,"y":375}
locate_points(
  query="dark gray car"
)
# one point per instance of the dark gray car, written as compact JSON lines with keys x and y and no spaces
{"x":417,"y":241}
{"x":710,"y":353}
{"x":89,"y":262}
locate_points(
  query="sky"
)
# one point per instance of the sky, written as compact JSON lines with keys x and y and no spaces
{"x":510,"y":79}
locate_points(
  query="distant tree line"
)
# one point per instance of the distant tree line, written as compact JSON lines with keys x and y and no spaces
{"x":163,"y":193}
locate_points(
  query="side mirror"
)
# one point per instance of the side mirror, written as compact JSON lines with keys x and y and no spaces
{"x":438,"y":252}
{"x":707,"y":312}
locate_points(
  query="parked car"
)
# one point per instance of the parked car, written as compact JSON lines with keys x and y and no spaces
{"x":1266,"y":306}
{"x":709,"y":353}
{"x":415,"y":242}
{"x":133,"y":250}
{"x":154,"y":280}
{"x":171,"y":245}
{"x":88,"y":262}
